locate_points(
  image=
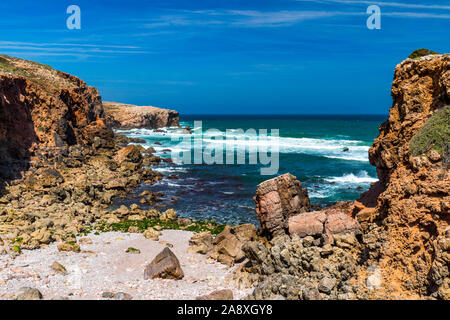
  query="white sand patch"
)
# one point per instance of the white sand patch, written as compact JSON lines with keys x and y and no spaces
{"x":104,"y":266}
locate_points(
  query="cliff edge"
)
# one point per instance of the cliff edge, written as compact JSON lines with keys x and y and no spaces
{"x":410,"y":218}
{"x":42,"y":108}
{"x":125,"y":116}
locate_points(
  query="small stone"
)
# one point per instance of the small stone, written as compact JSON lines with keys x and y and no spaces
{"x":169,"y":215}
{"x":59,"y":298}
{"x":134,"y":229}
{"x":374,"y":279}
{"x":122,"y":296}
{"x":85,"y":241}
{"x":326,"y":285}
{"x":218,"y":295}
{"x":434,"y":156}
{"x":59,"y":268}
{"x":69,"y":246}
{"x":152,"y":234}
{"x":308,"y":241}
{"x":107,"y":295}
{"x":136,"y":217}
{"x":135,"y":207}
{"x":27,"y":293}
{"x":326,"y":250}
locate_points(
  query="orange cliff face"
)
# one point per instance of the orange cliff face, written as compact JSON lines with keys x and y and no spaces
{"x":41,"y":108}
{"x":412,"y":200}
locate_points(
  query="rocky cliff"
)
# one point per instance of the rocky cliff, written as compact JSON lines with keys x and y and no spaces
{"x":60,"y":164}
{"x":127,"y":116}
{"x":409,"y":235}
{"x":394,"y":243}
{"x":42,"y":108}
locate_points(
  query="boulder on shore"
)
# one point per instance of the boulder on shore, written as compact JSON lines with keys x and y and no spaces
{"x":278,"y":199}
{"x":164,"y":266}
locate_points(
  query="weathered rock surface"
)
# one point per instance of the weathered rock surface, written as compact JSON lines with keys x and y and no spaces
{"x":165,"y":266}
{"x":301,"y":268}
{"x":410,"y":205}
{"x":398,"y":245}
{"x":227,"y":245}
{"x":41,"y":108}
{"x":278,"y":199}
{"x":60,"y":164}
{"x":324,"y":223}
{"x":127,"y":116}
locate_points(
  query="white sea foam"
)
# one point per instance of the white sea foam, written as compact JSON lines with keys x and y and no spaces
{"x":235,"y":139}
{"x":361,"y":178}
{"x":169,"y":169}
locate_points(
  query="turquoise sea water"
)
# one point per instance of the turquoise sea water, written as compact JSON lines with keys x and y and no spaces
{"x":310,"y":147}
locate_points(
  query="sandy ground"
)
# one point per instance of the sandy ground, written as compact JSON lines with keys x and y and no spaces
{"x":104,"y":266}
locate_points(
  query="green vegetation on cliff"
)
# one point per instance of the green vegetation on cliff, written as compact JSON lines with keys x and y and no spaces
{"x":41,"y":74}
{"x":435,"y":134}
{"x":421,"y":53}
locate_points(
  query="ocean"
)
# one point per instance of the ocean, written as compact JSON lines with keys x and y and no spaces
{"x":310,"y":147}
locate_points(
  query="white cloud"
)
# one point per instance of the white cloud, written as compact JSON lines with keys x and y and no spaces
{"x":385,"y":4}
{"x":64,"y":49}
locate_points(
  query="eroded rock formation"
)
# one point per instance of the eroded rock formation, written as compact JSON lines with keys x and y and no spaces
{"x":409,"y":236}
{"x":41,"y":108}
{"x":398,"y":244}
{"x":127,"y":116}
{"x":278,"y":199}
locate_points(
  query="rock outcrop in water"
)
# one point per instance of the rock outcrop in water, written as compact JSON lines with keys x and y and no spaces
{"x":125,"y":116}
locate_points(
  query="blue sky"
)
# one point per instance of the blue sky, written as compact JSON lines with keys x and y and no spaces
{"x":226,"y":57}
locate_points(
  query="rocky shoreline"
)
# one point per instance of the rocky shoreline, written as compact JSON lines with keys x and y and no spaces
{"x":63,"y":166}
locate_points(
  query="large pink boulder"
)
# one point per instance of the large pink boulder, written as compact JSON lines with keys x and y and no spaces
{"x":278,"y":199}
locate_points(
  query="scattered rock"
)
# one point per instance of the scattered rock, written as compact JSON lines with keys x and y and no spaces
{"x":152,"y":234}
{"x":69,"y":246}
{"x":169,"y":215}
{"x":27,"y":293}
{"x":201,"y":242}
{"x":84,"y":241}
{"x":218,"y":295}
{"x":227,"y":245}
{"x":326,"y":285}
{"x":165,"y":266}
{"x":59,"y":268}
{"x":374,"y":279}
{"x":122,"y":296}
